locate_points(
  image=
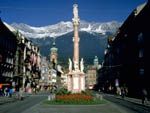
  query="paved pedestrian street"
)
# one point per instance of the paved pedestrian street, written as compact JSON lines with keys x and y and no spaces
{"x":103,"y":108}
{"x":34,"y":104}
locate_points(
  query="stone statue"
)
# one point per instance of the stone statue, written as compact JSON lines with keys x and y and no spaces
{"x":70,"y":65}
{"x":76,"y":67}
{"x":75,"y":10}
{"x":81,"y":65}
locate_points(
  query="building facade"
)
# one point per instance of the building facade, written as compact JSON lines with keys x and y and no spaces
{"x":8,"y":46}
{"x":126,"y":57}
{"x":92,"y":74}
{"x":92,"y":77}
{"x":17,"y":67}
{"x":45,"y":80}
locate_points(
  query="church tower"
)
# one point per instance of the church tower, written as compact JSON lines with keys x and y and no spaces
{"x":53,"y":54}
{"x":95,"y":61}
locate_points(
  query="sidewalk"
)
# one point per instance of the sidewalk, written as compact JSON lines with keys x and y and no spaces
{"x":14,"y":98}
{"x":101,"y":108}
{"x":4,"y":100}
{"x":133,"y":100}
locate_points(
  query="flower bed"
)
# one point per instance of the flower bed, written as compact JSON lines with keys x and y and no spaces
{"x":63,"y":97}
{"x":74,"y":99}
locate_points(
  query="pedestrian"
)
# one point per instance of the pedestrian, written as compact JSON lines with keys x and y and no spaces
{"x":17,"y":91}
{"x":144,"y":95}
{"x":21,"y":93}
{"x":126,"y":91}
{"x":51,"y":91}
{"x":10,"y":92}
{"x":118,"y":91}
{"x":103,"y":89}
{"x":99,"y":90}
{"x":149,"y":95}
{"x":5,"y":91}
{"x":122,"y":92}
{"x":1,"y":92}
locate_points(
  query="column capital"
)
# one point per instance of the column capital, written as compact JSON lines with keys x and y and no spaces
{"x":76,"y":21}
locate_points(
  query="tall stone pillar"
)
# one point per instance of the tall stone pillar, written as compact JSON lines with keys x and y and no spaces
{"x":76,"y":22}
{"x":76,"y":44}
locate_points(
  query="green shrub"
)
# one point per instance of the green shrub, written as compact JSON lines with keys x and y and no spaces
{"x":63,"y":92}
{"x":86,"y":92}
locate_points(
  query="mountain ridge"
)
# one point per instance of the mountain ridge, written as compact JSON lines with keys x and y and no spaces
{"x":63,"y":28}
{"x":94,"y":43}
{"x":92,"y":36}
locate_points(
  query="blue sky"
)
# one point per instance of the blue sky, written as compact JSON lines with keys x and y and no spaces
{"x":47,"y":12}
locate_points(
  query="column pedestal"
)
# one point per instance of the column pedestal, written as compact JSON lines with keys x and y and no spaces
{"x":76,"y":82}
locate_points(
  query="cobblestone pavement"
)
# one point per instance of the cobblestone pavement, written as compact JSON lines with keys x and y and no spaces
{"x":34,"y":104}
{"x":133,"y":100}
{"x":4,"y":100}
{"x":102,"y":108}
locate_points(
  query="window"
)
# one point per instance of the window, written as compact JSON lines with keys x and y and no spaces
{"x":141,"y":71}
{"x":141,"y":53}
{"x":140,"y":38}
{"x":118,"y":51}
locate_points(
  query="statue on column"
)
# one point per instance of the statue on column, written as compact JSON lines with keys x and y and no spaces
{"x":75,"y":10}
{"x":75,"y":19}
{"x":81,"y":65}
{"x":76,"y":67}
{"x":70,"y":65}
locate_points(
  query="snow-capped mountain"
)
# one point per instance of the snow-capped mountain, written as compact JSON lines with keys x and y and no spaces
{"x":91,"y":33}
{"x":63,"y":28}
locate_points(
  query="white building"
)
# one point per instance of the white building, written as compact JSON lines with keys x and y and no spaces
{"x":45,"y":80}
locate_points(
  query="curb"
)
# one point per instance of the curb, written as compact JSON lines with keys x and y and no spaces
{"x":133,"y":100}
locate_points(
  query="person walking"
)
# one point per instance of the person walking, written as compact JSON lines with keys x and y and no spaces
{"x":5,"y":91}
{"x":144,"y":95}
{"x":21,"y":93}
{"x":149,"y":95}
{"x":118,"y":91}
{"x":1,"y":92}
{"x":122,"y":92}
{"x":10,"y":92}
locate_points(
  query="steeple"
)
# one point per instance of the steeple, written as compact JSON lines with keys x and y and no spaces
{"x":96,"y":61}
{"x":53,"y":54}
{"x":54,"y":44}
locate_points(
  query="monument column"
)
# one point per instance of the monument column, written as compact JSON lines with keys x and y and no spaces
{"x":76,"y":76}
{"x":76,"y":44}
{"x":76,"y":22}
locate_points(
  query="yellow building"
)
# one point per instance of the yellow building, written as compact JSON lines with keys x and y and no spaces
{"x":91,"y":77}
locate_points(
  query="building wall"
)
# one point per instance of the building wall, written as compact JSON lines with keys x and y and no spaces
{"x":8,"y":45}
{"x":15,"y":61}
{"x":127,"y":57}
{"x":91,"y":78}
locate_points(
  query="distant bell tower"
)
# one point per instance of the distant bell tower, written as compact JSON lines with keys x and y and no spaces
{"x":95,"y":61}
{"x":53,"y":54}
